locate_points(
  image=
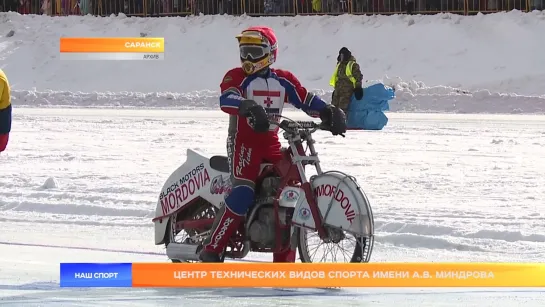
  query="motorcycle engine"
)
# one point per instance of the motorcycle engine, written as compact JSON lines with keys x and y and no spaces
{"x":262,"y":230}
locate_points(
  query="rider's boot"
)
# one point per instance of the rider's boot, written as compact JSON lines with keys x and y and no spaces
{"x":224,"y":226}
{"x":287,"y":256}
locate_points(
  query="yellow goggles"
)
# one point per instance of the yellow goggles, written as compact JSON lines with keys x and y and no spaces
{"x":253,"y":52}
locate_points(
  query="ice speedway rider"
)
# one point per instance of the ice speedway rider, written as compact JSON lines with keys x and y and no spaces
{"x":251,"y":95}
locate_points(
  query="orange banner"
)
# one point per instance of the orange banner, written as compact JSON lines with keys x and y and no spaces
{"x":115,"y":44}
{"x":305,"y":275}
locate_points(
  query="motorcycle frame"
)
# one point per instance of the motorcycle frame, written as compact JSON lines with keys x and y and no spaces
{"x":291,"y":170}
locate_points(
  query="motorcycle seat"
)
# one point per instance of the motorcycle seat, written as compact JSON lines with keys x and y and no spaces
{"x":221,"y":164}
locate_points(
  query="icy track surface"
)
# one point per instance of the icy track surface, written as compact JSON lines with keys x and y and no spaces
{"x":81,"y":186}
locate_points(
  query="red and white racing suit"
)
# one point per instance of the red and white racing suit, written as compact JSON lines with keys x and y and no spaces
{"x":246,"y":149}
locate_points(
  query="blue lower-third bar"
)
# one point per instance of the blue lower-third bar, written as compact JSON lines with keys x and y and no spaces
{"x":96,"y":275}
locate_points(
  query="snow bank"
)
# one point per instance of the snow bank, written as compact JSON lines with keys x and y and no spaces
{"x":438,"y":99}
{"x":443,"y":63}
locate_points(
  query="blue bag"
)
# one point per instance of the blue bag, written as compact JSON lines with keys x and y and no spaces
{"x":368,"y":113}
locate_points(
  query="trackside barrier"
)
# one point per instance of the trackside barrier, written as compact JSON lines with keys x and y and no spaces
{"x":157,"y":8}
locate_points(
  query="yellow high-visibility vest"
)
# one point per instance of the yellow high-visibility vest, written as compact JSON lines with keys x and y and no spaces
{"x":348,"y":72}
{"x":5,"y":94}
{"x":317,"y":5}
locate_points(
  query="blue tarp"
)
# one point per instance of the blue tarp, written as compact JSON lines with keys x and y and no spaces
{"x":368,"y":113}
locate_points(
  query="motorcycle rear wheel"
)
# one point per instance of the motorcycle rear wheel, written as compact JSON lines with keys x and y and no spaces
{"x":202,"y":210}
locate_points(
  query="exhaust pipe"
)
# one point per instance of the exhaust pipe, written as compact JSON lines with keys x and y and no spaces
{"x":183,"y":252}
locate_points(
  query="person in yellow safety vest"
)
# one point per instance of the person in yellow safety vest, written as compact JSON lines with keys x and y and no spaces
{"x":346,"y":80}
{"x":5,"y":111}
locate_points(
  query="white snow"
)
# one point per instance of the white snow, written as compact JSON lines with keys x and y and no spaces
{"x":50,"y":183}
{"x":443,"y":63}
{"x":91,"y":146}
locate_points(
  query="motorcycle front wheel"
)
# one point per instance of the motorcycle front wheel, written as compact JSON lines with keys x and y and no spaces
{"x":343,"y":245}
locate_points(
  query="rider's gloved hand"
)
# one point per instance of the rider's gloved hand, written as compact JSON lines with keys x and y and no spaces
{"x":256,"y":113}
{"x":358,"y":92}
{"x":334,"y":118}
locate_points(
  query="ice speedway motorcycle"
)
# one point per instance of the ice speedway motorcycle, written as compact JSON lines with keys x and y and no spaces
{"x":289,"y":212}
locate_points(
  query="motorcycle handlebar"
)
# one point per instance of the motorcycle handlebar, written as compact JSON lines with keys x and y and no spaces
{"x":292,"y":126}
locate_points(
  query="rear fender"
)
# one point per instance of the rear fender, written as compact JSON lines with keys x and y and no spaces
{"x":195,"y":178}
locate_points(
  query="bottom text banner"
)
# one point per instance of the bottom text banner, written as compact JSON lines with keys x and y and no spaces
{"x":303,"y":275}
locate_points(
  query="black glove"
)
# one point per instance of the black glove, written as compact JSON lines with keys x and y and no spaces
{"x":256,"y":114}
{"x":358,"y":92}
{"x":333,"y":118}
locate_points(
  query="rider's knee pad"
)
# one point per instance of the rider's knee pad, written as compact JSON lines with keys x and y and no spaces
{"x":240,"y":199}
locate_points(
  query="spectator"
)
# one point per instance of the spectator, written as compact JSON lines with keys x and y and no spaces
{"x":24,"y":7}
{"x":10,"y":5}
{"x":85,"y":7}
{"x":46,"y":7}
{"x":5,"y":111}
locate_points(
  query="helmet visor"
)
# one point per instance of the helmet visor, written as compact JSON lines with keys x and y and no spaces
{"x":253,"y":52}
